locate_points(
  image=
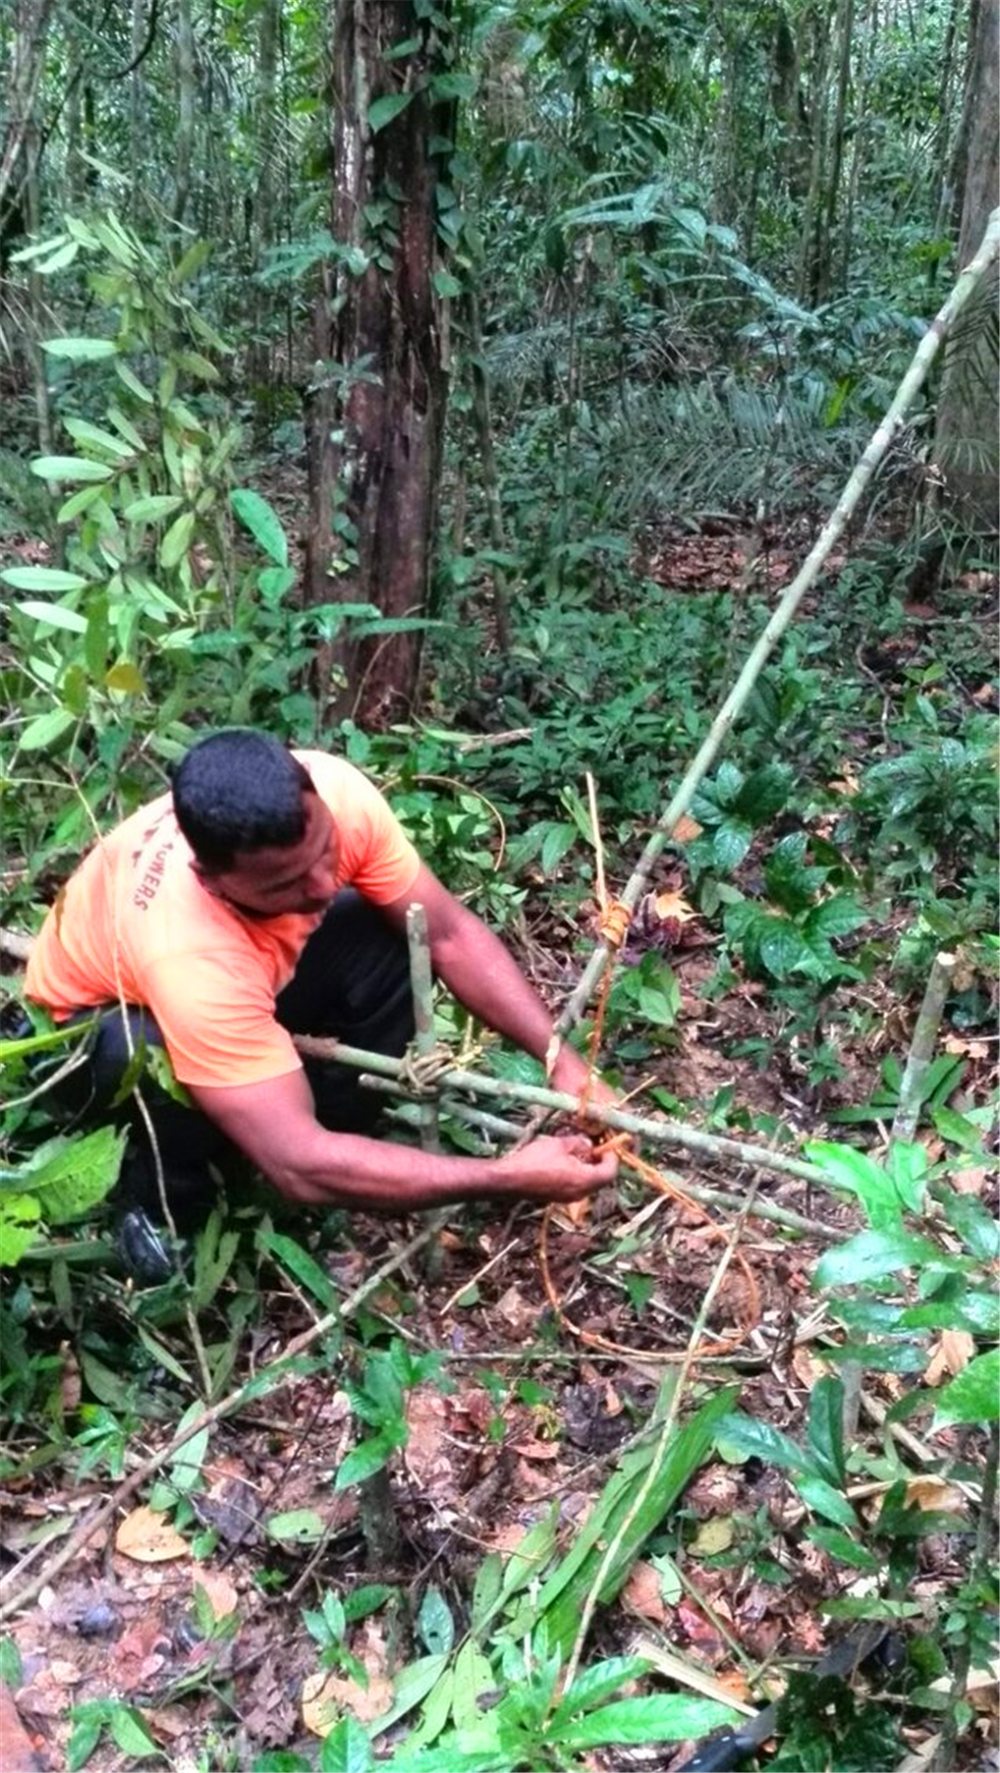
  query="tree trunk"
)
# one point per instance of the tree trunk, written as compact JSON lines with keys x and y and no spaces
{"x":375,"y":411}
{"x":31,"y":25}
{"x":969,"y":409}
{"x":187,"y":97}
{"x":845,"y":36}
{"x":812,"y":220}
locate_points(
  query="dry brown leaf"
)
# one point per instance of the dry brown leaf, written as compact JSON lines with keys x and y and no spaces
{"x":953,"y":1351}
{"x":529,"y":1448}
{"x":970,"y":1049}
{"x":934,"y":1493}
{"x":221,"y":1592}
{"x":18,"y":1750}
{"x":713,"y":1536}
{"x":325,"y":1698}
{"x":673,"y":906}
{"x":643,"y":1594}
{"x":686,"y":829}
{"x":149,"y":1538}
{"x":969,"y":1181}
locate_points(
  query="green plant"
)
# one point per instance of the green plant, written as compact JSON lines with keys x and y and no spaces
{"x":124,"y":1724}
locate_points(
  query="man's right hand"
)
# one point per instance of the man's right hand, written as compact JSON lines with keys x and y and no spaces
{"x":556,"y":1167}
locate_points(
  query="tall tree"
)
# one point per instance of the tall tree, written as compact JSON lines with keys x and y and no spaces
{"x":967,"y":419}
{"x":375,"y":411}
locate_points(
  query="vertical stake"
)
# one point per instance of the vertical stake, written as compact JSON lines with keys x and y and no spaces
{"x":422,"y":985}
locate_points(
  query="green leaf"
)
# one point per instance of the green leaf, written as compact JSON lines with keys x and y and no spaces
{"x":846,"y":1550}
{"x":383,"y":110}
{"x":779,"y":945}
{"x":347,"y":1749}
{"x":486,"y":1588}
{"x":365,"y":1459}
{"x":977,"y":1228}
{"x":860,"y":1175}
{"x":298,"y":1526}
{"x":11,"y":1666}
{"x":445,"y":285}
{"x":826,"y":1429}
{"x":45,"y":729}
{"x":42,"y":578}
{"x":130,"y":1732}
{"x":974,"y":1394}
{"x":435,"y":1623}
{"x":872,"y":1255}
{"x":83,"y":1741}
{"x":667,"y":1717}
{"x":54,"y":615}
{"x":262,"y":521}
{"x":126,"y":678}
{"x":133,"y":384}
{"x":77,"y":502}
{"x":152,"y":509}
{"x":907,"y":1166}
{"x":758,"y":1440}
{"x":453,"y":86}
{"x":304,"y":1267}
{"x":80,"y":350}
{"x":19,"y":1216}
{"x":410,"y":1687}
{"x":273,"y":582}
{"x":824,"y":1500}
{"x":597,"y":1684}
{"x":177,"y":540}
{"x":70,"y":468}
{"x":730,"y":844}
{"x":69,"y":1175}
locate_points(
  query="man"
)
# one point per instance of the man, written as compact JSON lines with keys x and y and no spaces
{"x":267,"y":895}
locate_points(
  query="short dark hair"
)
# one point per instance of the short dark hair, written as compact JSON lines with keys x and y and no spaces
{"x":239,"y":790}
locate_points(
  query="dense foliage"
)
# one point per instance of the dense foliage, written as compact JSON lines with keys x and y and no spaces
{"x":681,"y":254}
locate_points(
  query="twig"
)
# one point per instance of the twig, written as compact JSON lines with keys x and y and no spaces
{"x":666,"y":1431}
{"x":104,"y":1514}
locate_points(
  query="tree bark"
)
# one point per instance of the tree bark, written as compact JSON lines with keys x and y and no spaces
{"x":375,"y":410}
{"x":186,"y":110}
{"x":965,"y":448}
{"x":31,"y":25}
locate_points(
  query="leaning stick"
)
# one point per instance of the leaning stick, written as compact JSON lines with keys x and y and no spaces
{"x":422,"y":989}
{"x":922,"y":1046}
{"x":738,"y":696}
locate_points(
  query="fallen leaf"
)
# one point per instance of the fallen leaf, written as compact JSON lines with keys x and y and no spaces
{"x":529,"y":1448}
{"x":325,"y":1697}
{"x":149,"y":1538}
{"x":713,"y":1536}
{"x":953,"y":1351}
{"x":18,"y":1752}
{"x":969,"y":1181}
{"x":643,"y":1594}
{"x":934,"y":1493}
{"x":970,"y":1049}
{"x":221,"y":1592}
{"x":673,"y":907}
{"x":686,"y":829}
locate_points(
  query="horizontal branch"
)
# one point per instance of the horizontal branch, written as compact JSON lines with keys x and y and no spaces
{"x":661,"y":1132}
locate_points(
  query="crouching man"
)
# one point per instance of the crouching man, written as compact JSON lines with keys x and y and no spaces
{"x":267,"y":896}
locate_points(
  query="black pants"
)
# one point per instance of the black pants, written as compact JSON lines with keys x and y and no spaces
{"x":352,"y":982}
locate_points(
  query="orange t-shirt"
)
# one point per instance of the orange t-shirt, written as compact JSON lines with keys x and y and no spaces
{"x":135,"y":924}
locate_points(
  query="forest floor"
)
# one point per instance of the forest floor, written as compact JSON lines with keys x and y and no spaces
{"x":212,"y":1648}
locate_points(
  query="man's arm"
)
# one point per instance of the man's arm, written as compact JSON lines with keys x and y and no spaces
{"x":275,"y":1124}
{"x":479,"y":971}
